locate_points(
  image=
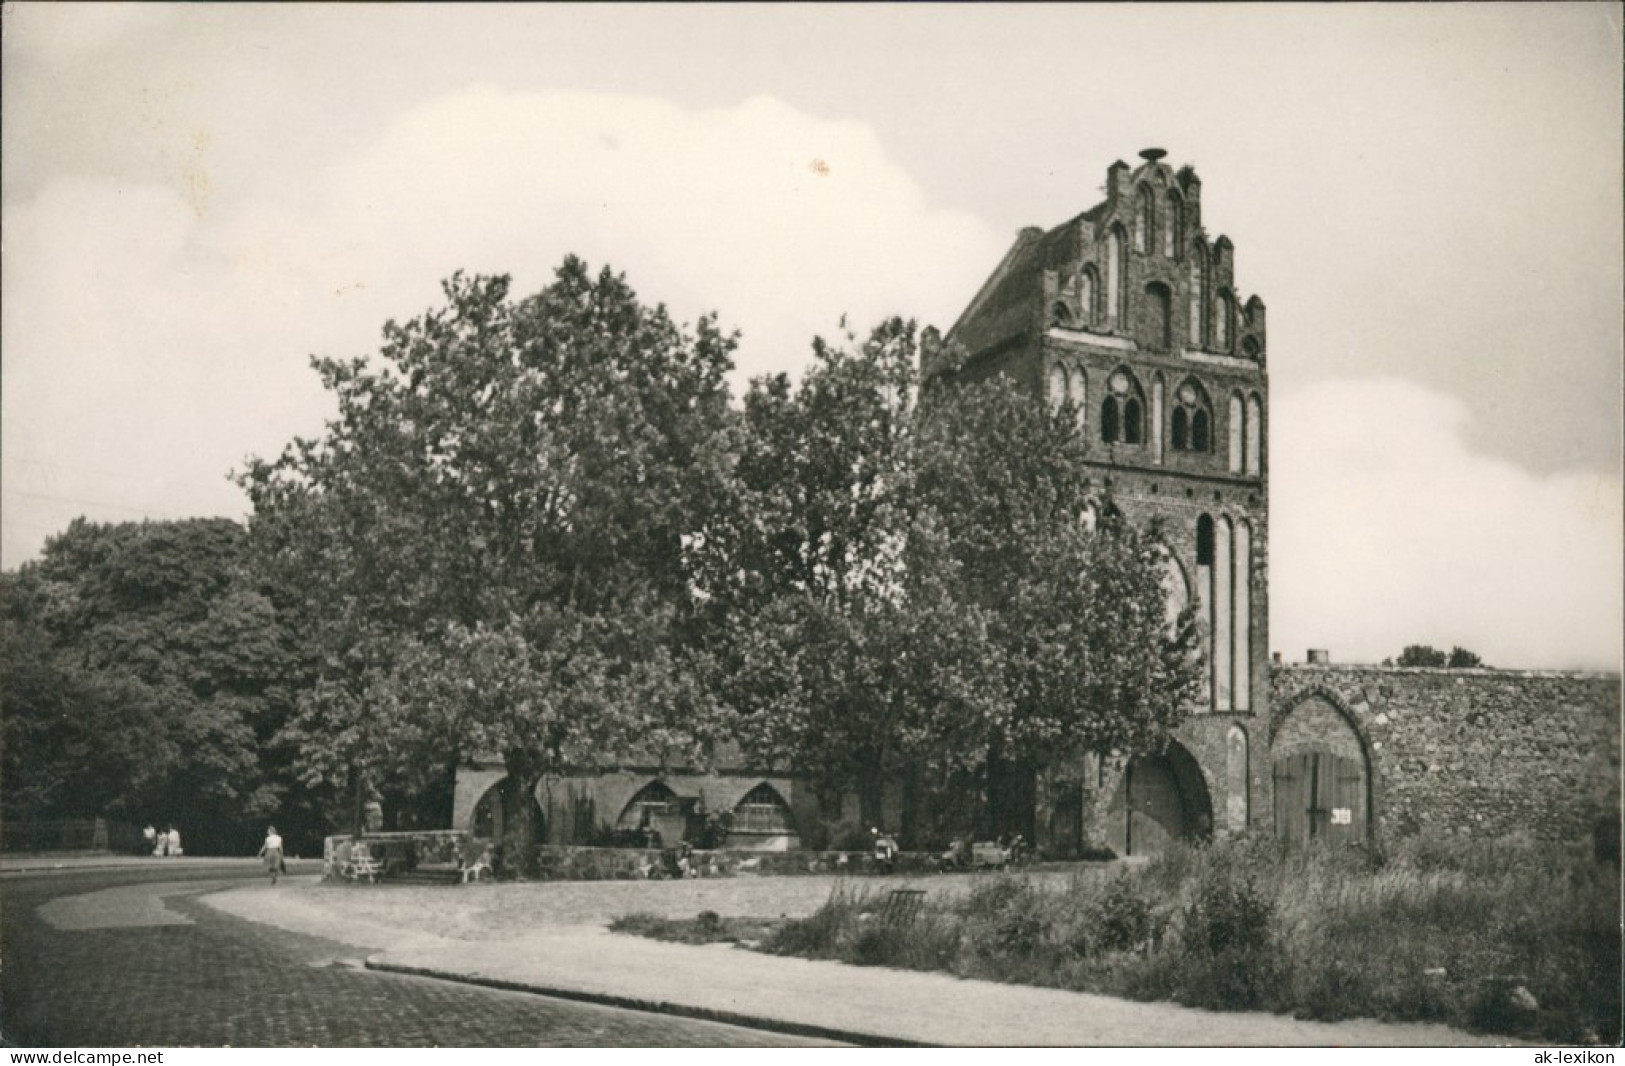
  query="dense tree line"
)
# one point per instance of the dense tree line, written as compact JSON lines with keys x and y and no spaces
{"x":538,"y":527}
{"x":1458,"y":658}
{"x":145,"y":679}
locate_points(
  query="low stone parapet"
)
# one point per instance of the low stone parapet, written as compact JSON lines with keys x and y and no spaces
{"x":370,"y":856}
{"x":569,"y":863}
{"x":385,"y":856}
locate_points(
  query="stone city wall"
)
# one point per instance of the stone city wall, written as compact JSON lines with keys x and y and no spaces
{"x":1477,"y":753}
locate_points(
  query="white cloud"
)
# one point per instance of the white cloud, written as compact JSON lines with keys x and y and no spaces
{"x":154,"y":337}
{"x":1387,"y":530}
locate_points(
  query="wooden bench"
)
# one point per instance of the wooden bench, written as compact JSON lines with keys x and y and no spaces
{"x":361,"y":864}
{"x":902,"y":907}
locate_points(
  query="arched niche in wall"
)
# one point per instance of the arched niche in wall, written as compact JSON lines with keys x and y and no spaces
{"x":1157,"y":327}
{"x":1057,"y":388}
{"x":1236,"y":801}
{"x":1254,"y":459}
{"x":1241,"y":613}
{"x":1234,"y":431}
{"x":1176,"y":589}
{"x":1160,"y":798}
{"x":1077,"y":390}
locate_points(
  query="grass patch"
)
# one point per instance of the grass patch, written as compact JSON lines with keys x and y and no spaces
{"x":1507,"y":937}
{"x":708,"y":927}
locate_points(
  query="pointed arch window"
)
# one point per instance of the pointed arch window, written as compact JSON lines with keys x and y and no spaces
{"x":1192,"y":429}
{"x":1122,"y":412}
{"x":1206,"y":553}
{"x":1133,"y":421}
{"x":762,"y":811}
{"x":1087,"y":296}
{"x":652,"y":801}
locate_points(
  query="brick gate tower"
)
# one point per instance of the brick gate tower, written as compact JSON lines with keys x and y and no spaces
{"x":1131,"y":311}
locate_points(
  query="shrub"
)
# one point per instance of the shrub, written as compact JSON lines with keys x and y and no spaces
{"x":1227,"y":914}
{"x":1122,"y":916}
{"x":1005,"y":916}
{"x":876,"y":944}
{"x":818,"y":936}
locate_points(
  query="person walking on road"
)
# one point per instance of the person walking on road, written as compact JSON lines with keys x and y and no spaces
{"x":271,"y":852}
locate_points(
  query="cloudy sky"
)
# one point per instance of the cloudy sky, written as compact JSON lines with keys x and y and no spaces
{"x":196,"y":198}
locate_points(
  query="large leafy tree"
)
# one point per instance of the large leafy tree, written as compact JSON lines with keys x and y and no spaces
{"x":144,"y":678}
{"x":1073,"y":595}
{"x":486,"y":544}
{"x":911,"y":592}
{"x":845,"y":653}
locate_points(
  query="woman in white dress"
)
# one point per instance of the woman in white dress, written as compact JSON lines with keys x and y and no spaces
{"x":271,"y":852}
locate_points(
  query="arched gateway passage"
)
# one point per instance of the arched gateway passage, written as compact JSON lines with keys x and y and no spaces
{"x":1321,"y":775}
{"x":1159,"y":799}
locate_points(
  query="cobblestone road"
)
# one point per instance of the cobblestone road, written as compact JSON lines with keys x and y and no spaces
{"x":219,"y":980}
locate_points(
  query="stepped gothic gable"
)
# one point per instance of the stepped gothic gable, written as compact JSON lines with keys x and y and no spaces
{"x":1132,"y":311}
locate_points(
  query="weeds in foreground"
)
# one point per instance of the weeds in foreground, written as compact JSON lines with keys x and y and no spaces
{"x":708,"y":927}
{"x":1511,"y":938}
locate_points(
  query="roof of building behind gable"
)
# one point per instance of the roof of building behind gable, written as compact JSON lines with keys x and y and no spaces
{"x":1007,"y":303}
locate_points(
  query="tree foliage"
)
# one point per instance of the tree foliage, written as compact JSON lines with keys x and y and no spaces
{"x":1458,"y":658}
{"x":907,"y":590}
{"x":144,"y":678}
{"x":537,"y":529}
{"x":503,"y":496}
{"x":1075,"y":595}
{"x":835,"y":632}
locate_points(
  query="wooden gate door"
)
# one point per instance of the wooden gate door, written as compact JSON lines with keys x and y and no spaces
{"x":1155,"y":810}
{"x":1319,"y":797}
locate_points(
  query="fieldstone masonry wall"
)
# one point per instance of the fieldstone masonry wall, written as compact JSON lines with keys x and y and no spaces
{"x":1477,"y":753}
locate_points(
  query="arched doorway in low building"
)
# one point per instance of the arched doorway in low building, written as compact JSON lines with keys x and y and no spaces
{"x":762,"y":820}
{"x":657,"y":812}
{"x":488,"y":815}
{"x":1160,"y":799}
